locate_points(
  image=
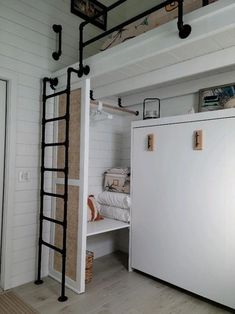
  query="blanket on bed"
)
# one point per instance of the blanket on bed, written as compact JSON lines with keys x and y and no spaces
{"x":116,"y":213}
{"x":120,"y":200}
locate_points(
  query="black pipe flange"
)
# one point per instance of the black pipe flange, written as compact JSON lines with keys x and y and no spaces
{"x":185,"y":31}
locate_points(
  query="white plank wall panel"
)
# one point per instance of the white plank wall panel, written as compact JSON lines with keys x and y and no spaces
{"x":105,"y":150}
{"x":106,"y":141}
{"x":26,"y":44}
{"x":126,"y":135}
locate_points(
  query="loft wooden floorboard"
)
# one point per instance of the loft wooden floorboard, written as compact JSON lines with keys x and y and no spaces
{"x":113,"y":290}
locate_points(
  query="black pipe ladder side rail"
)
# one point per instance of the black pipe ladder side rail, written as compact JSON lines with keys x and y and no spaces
{"x":53,"y":82}
{"x":184,"y":29}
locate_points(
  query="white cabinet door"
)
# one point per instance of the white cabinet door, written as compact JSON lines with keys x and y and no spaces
{"x":183,"y":207}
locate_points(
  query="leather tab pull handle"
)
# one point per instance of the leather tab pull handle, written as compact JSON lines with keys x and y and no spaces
{"x":150,"y":147}
{"x":198,"y":140}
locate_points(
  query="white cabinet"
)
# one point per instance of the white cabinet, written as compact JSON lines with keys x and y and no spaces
{"x":183,"y":205}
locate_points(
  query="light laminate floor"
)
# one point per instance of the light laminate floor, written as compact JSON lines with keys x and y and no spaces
{"x":115,"y":291}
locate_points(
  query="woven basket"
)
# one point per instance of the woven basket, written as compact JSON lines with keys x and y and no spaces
{"x":89,"y":266}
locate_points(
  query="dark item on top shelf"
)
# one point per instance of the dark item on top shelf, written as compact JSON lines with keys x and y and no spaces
{"x":218,"y":97}
{"x":92,"y":11}
{"x":151,"y":108}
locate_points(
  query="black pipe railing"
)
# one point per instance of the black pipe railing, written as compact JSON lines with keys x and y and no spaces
{"x":86,"y":69}
{"x":184,"y":29}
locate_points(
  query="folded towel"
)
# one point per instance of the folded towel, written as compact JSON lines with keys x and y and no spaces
{"x":115,"y":213}
{"x":120,"y":200}
{"x":118,"y":170}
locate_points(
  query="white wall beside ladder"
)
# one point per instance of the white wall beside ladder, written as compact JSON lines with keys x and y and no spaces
{"x":3,"y":87}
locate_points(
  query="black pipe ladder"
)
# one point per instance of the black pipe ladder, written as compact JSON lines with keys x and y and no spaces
{"x":53,"y":82}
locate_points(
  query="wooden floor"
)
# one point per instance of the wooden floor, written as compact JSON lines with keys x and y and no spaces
{"x":115,"y":291}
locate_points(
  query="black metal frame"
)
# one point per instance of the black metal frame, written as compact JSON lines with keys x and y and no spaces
{"x":159,"y":107}
{"x":205,"y":2}
{"x":87,"y":18}
{"x":53,"y":83}
{"x":58,"y":30}
{"x":184,"y":29}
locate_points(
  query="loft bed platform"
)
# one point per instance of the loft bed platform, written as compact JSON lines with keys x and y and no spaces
{"x":159,"y":56}
{"x":105,"y":225}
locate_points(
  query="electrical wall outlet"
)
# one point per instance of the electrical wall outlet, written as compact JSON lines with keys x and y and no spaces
{"x":24,"y":176}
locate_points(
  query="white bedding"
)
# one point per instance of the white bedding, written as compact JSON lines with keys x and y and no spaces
{"x":115,"y":213}
{"x":120,"y":200}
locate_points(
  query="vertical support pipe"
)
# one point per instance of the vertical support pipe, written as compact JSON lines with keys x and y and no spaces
{"x":81,"y":27}
{"x":58,"y":30}
{"x":205,"y":2}
{"x":63,"y":298}
{"x":184,"y":29}
{"x":39,"y":280}
{"x":82,"y":69}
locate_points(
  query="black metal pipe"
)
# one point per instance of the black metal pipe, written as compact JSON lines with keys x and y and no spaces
{"x":109,"y":8}
{"x":55,"y":94}
{"x":39,"y":280}
{"x":62,"y":297}
{"x":58,"y":30}
{"x":54,"y":144}
{"x":53,"y":195}
{"x":81,"y":46}
{"x":180,"y":22}
{"x":55,"y":221}
{"x":184,"y":29}
{"x":55,"y":119}
{"x":52,"y":247}
{"x":53,"y":169}
{"x":131,"y":20}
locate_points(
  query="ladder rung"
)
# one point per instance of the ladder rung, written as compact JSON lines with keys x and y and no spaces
{"x":54,"y":144}
{"x":56,"y":94}
{"x":55,"y":119}
{"x":53,"y":220}
{"x":54,"y":169}
{"x":53,"y":194}
{"x":52,"y":247}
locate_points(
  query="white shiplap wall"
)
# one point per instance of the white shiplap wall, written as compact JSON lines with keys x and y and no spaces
{"x":105,"y":150}
{"x":26,"y":44}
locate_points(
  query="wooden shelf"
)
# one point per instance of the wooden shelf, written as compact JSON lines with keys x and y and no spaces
{"x":105,"y":225}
